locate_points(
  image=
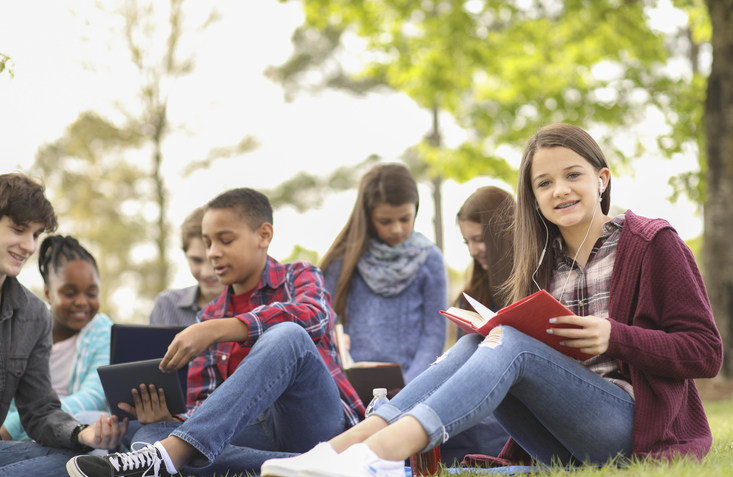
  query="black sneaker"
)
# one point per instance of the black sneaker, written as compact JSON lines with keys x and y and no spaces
{"x":144,"y":462}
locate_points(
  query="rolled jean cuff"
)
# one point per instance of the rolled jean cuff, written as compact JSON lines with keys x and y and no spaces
{"x":388,"y":412}
{"x":431,"y":423}
{"x":204,"y":460}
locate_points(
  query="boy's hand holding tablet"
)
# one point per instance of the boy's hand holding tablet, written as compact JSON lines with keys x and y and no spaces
{"x":149,"y":405}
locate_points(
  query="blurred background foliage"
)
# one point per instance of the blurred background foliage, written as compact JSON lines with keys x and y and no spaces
{"x":6,"y":65}
{"x":498,"y":69}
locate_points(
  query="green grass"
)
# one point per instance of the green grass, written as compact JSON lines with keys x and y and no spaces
{"x":718,"y":463}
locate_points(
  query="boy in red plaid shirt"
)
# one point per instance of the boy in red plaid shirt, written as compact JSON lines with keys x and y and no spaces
{"x":265,"y":379}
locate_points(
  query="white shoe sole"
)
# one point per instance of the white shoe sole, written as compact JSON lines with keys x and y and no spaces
{"x":322,"y":473}
{"x":72,"y":469}
{"x":274,"y":470}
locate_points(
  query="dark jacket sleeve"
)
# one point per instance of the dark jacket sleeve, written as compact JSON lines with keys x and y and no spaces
{"x":38,"y":405}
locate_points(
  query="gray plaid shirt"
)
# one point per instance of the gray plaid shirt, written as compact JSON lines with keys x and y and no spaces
{"x":588,"y":291}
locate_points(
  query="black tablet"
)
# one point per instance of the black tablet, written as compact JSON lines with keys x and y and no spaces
{"x":130,"y":343}
{"x":118,"y":380}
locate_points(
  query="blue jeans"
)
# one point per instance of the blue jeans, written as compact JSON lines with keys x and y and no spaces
{"x":30,"y":458}
{"x":553,"y":406}
{"x":281,"y":400}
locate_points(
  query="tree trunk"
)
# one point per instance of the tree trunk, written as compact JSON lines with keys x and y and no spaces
{"x":438,"y":219}
{"x":718,"y":235}
{"x":435,"y":141}
{"x":161,"y":240}
{"x":694,"y":53}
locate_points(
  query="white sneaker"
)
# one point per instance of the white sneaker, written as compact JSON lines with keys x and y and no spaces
{"x":290,"y":466}
{"x":356,"y":461}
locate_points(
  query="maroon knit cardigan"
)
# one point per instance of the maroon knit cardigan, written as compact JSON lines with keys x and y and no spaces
{"x":663,"y":334}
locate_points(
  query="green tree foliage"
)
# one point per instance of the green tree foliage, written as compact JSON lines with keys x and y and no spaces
{"x":108,"y":177}
{"x":501,"y":68}
{"x":681,"y":100}
{"x":306,"y":191}
{"x":101,"y":197}
{"x":155,"y":52}
{"x":300,"y":253}
{"x":6,"y":64}
{"x":314,"y":49}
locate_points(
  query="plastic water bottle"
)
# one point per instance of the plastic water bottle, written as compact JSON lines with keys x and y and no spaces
{"x":380,"y":397}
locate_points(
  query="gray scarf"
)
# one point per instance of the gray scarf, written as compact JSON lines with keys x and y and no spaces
{"x":389,"y":270}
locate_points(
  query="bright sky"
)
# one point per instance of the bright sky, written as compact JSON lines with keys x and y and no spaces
{"x":227,"y":98}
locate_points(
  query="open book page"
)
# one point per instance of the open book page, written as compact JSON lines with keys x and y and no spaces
{"x":373,"y":364}
{"x":530,"y":315}
{"x":470,"y":321}
{"x":482,"y":310}
{"x":470,"y":317}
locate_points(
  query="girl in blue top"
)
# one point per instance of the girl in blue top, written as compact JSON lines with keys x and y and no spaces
{"x":81,"y":335}
{"x":387,"y":281}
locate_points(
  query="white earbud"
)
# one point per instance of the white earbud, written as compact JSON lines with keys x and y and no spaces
{"x":600,"y":185}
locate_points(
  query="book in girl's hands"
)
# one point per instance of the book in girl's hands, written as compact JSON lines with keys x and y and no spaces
{"x":530,"y":316}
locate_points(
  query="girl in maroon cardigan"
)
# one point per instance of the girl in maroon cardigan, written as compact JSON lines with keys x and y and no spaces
{"x":641,"y":310}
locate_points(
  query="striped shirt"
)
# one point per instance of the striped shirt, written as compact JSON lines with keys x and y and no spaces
{"x":286,"y":292}
{"x":588,"y":291}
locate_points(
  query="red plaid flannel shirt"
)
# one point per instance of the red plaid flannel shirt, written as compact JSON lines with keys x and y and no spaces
{"x":286,"y":292}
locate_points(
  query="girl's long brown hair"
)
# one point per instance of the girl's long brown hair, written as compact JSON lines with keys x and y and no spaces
{"x":384,"y":184}
{"x":529,"y":232}
{"x":494,"y":209}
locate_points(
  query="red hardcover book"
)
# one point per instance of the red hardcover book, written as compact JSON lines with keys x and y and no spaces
{"x":530,"y":316}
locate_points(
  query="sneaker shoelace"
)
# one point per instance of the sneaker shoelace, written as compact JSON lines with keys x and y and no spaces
{"x":136,"y":459}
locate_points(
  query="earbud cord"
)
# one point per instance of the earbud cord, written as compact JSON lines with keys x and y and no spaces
{"x":562,"y":292}
{"x":547,"y":238}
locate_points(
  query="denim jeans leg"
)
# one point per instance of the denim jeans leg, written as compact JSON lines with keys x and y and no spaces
{"x":151,"y":433}
{"x":283,"y":375}
{"x":232,"y":461}
{"x":591,"y":417}
{"x":430,"y":380}
{"x":30,"y":458}
{"x":132,"y":428}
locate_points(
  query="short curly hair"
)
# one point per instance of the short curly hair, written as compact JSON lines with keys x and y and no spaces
{"x":253,"y":207}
